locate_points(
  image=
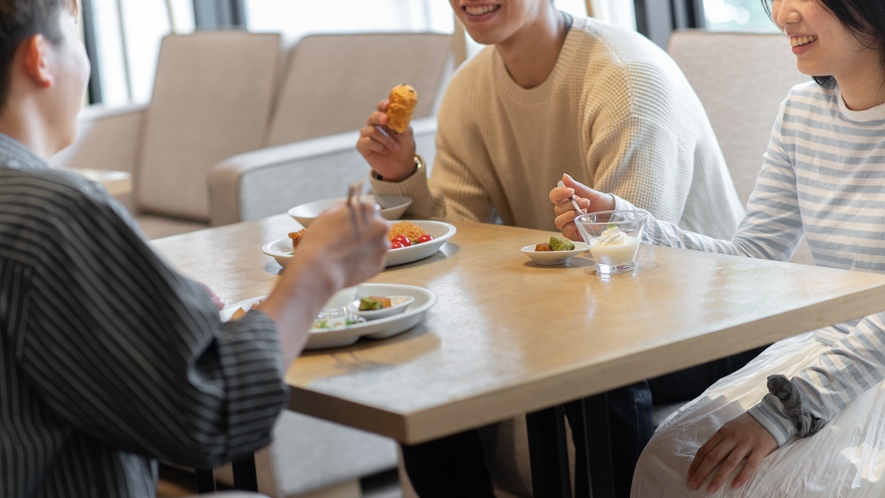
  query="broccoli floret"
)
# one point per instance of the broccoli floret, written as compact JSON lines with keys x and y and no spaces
{"x":558,"y":243}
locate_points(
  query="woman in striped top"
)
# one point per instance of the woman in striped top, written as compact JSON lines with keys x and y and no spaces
{"x":822,"y":178}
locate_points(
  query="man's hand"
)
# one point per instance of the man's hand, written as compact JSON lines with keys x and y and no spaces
{"x":588,"y":199}
{"x":741,"y":438}
{"x":391,"y":154}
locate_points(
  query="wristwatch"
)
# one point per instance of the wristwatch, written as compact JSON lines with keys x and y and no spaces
{"x":419,"y":166}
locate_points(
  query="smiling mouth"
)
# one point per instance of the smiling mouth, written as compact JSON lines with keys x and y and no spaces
{"x":481,"y":9}
{"x":798,"y":41}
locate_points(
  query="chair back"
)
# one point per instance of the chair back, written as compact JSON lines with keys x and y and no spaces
{"x":741,"y":78}
{"x":212,"y":99}
{"x":333,"y":82}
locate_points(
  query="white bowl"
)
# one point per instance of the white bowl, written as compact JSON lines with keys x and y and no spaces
{"x":341,"y":299}
{"x":437,"y":229}
{"x":392,"y":207}
{"x":398,"y":304}
{"x":549,"y":258}
{"x":280,"y":250}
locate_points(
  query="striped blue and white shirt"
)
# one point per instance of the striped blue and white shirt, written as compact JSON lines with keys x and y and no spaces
{"x":823,"y":177}
{"x":109,"y":359}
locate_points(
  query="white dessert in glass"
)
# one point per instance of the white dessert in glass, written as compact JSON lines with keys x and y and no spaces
{"x":613,"y":237}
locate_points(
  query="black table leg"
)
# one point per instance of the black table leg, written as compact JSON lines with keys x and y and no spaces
{"x":548,"y":453}
{"x":599,"y":446}
{"x":205,"y":481}
{"x":245,"y":477}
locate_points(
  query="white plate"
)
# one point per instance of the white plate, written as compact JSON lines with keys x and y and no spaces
{"x":398,"y":304}
{"x":392,"y":207}
{"x":281,"y":249}
{"x":549,"y":258}
{"x":440,"y":232}
{"x":376,"y":329}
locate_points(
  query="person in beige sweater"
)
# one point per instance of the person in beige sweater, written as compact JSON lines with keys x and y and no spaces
{"x":552,"y":94}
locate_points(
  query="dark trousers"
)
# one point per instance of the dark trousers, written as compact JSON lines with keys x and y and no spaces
{"x":454,"y":466}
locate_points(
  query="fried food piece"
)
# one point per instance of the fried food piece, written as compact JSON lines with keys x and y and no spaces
{"x":385,"y":301}
{"x":543,"y":246}
{"x":296,"y":237}
{"x":240,"y":313}
{"x":403,"y":99}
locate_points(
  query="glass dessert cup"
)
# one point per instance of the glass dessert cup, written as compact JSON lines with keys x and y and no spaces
{"x":613,"y":238}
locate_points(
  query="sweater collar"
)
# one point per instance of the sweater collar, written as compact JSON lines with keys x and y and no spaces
{"x":541,"y":93}
{"x":16,"y":155}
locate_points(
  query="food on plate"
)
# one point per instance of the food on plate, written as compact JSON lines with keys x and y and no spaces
{"x":558,"y":243}
{"x":374,"y":303}
{"x":403,"y":99}
{"x":405,"y":234}
{"x":240,"y":313}
{"x":613,"y":247}
{"x":296,"y":238}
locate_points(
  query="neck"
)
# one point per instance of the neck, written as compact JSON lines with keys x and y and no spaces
{"x":865,"y":88}
{"x":20,"y":122}
{"x":531,"y":53}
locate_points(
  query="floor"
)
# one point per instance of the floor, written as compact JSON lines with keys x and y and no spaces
{"x":175,"y":483}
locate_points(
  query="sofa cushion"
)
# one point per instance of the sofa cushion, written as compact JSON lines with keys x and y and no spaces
{"x":212,"y":100}
{"x":333,"y":82}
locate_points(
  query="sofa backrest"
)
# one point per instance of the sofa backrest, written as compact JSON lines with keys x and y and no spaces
{"x":333,"y":82}
{"x":212,"y":99}
{"x":741,"y":78}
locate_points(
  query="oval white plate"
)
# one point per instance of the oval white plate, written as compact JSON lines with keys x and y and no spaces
{"x":375,"y":329}
{"x":398,"y":304}
{"x":281,"y":249}
{"x":440,"y":232}
{"x":392,"y":207}
{"x":549,"y":258}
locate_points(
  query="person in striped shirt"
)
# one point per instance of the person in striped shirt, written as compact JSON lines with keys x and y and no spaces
{"x":109,"y":359}
{"x":822,"y":178}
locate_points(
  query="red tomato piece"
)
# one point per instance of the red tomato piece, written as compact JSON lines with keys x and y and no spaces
{"x":396,"y":245}
{"x":425,"y":238}
{"x":402,"y":239}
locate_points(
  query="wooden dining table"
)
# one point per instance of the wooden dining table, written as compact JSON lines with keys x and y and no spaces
{"x":508,"y":337}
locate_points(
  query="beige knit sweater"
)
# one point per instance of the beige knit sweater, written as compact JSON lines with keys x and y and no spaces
{"x":616,"y":114}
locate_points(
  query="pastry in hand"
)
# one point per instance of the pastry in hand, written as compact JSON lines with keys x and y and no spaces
{"x":403,"y":99}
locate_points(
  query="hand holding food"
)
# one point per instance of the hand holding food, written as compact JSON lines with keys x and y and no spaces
{"x":587,"y":198}
{"x":391,"y":155}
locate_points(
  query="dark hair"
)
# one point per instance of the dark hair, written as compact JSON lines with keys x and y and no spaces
{"x":864,"y":19}
{"x":22,"y":19}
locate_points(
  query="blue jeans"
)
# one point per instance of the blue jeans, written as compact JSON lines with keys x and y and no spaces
{"x":454,"y":466}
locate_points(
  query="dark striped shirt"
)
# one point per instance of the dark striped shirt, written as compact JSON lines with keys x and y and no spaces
{"x":109,"y":359}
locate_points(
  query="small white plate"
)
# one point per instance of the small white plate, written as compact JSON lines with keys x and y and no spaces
{"x":375,"y":329}
{"x":392,"y":207}
{"x":281,"y":249}
{"x":550,"y":258}
{"x":438,"y":230}
{"x":397,"y":305}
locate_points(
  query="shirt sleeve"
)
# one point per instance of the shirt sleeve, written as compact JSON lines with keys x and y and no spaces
{"x":772,"y":226}
{"x":125,"y":349}
{"x":853,"y":365}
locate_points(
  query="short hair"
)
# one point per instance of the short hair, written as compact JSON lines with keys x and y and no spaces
{"x":22,"y":19}
{"x":864,"y":19}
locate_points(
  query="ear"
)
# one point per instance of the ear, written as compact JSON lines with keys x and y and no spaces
{"x":35,"y":57}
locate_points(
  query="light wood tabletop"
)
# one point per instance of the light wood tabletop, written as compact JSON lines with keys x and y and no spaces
{"x":508,"y":337}
{"x":115,"y":182}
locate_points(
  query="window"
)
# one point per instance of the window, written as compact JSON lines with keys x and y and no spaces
{"x":737,"y":15}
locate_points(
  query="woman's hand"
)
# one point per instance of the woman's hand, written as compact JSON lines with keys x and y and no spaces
{"x":391,"y":155}
{"x":742,"y":438}
{"x":588,"y":199}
